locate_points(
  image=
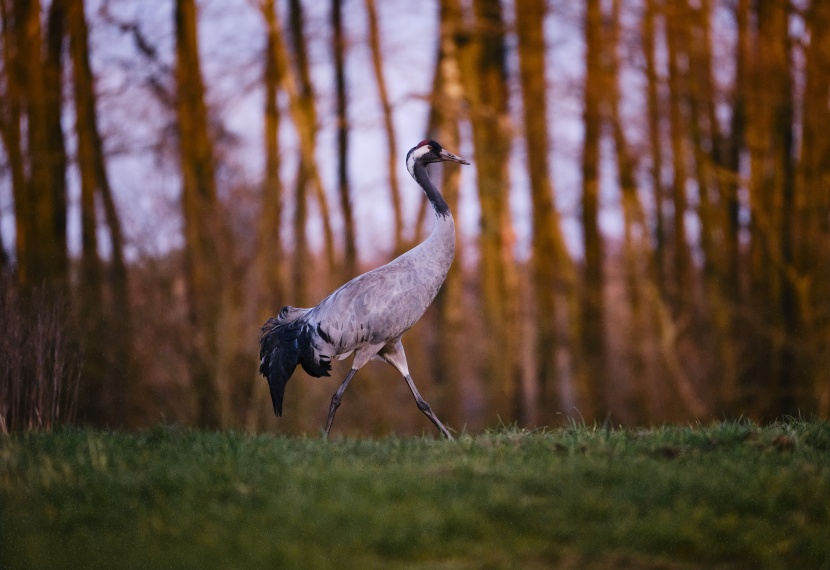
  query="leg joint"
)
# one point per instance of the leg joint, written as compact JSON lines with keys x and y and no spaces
{"x":424,"y":406}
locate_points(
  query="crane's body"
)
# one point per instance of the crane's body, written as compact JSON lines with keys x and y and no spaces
{"x":368,"y":315}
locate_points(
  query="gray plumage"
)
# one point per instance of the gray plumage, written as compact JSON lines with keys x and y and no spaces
{"x":368,"y":315}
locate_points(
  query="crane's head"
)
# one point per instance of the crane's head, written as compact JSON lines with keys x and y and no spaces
{"x":428,"y":151}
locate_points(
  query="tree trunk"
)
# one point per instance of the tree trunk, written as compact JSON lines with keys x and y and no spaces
{"x":305,"y":119}
{"x":39,"y":147}
{"x":635,"y":247}
{"x":12,"y":110}
{"x":655,"y":140}
{"x":201,"y":217}
{"x":42,"y":202}
{"x":95,"y":404}
{"x":115,"y":329}
{"x":683,"y":271}
{"x":770,"y":140}
{"x":339,"y":54}
{"x":719,"y":270}
{"x":731,"y":393}
{"x":484,"y":76}
{"x":271,"y":266}
{"x":450,"y":362}
{"x":296,"y":83}
{"x":388,"y":124}
{"x":592,"y":374}
{"x":813,"y":215}
{"x":551,"y":264}
{"x":58,"y":256}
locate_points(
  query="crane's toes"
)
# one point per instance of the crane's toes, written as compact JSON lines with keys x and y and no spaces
{"x":442,"y":428}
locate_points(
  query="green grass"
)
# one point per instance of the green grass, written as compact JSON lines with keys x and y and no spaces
{"x":734,"y":495}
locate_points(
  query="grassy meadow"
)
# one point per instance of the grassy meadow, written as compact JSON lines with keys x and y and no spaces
{"x":733,"y":495}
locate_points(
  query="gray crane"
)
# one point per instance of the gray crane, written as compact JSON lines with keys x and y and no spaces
{"x":368,"y":315}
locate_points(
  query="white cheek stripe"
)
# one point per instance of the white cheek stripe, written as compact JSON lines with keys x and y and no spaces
{"x":415,"y":155}
{"x":420,"y":151}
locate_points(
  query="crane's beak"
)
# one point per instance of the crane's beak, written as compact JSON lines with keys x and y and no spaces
{"x":450,"y":157}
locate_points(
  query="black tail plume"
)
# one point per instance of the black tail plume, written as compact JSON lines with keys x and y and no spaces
{"x":279,"y":354}
{"x":285,"y":341}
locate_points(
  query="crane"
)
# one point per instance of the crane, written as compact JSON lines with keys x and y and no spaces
{"x":368,"y":315}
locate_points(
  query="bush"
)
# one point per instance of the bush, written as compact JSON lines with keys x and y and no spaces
{"x":39,"y":365}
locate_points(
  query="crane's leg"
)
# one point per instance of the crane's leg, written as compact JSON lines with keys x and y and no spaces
{"x":338,"y":396}
{"x":425,"y":408}
{"x":393,"y":354}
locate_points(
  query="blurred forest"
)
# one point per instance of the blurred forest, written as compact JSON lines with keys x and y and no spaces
{"x":644,"y":235}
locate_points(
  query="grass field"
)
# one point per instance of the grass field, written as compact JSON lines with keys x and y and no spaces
{"x":734,"y":495}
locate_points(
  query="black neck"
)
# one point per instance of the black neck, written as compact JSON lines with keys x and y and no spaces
{"x":419,"y":172}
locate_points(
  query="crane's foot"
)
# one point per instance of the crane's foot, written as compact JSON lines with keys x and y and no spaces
{"x":337,"y":398}
{"x":332,"y":409}
{"x":446,"y":432}
{"x":427,"y":410}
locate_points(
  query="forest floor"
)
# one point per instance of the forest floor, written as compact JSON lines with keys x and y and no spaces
{"x":730,"y":495}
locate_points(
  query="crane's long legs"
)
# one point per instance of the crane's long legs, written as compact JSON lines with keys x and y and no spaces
{"x":425,"y":407}
{"x":338,"y":396}
{"x":394,"y":354}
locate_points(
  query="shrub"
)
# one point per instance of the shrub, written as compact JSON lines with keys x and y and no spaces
{"x":39,"y":364}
